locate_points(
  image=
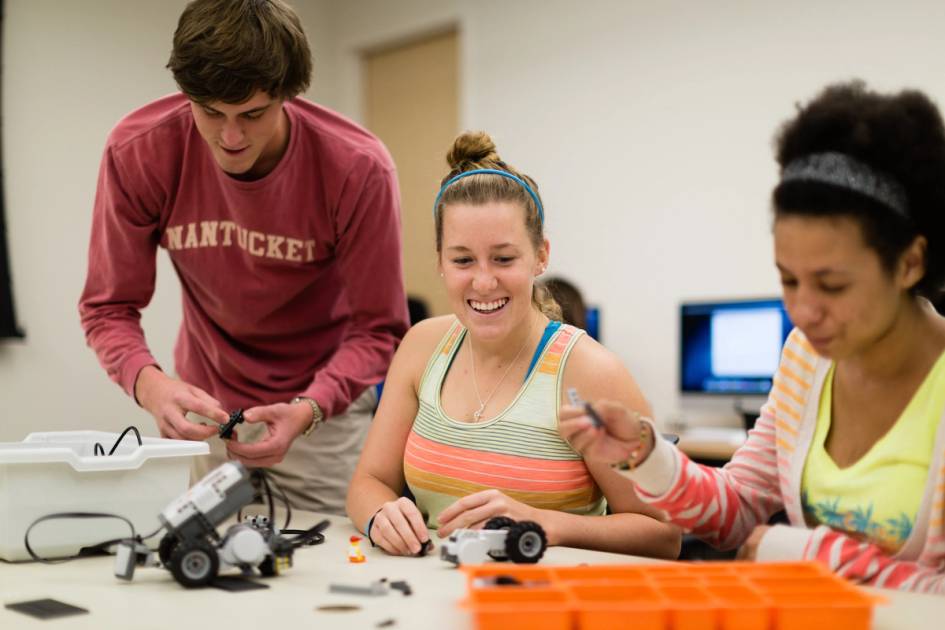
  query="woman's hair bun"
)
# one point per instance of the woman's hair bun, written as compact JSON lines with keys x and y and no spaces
{"x":472,"y":148}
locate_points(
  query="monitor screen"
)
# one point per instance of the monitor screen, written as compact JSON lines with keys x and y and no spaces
{"x":731,"y":347}
{"x":592,"y":322}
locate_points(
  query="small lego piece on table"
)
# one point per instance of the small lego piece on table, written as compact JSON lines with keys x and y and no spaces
{"x":378,"y":587}
{"x":354,"y":550}
{"x":342,"y":608}
{"x":507,"y":580}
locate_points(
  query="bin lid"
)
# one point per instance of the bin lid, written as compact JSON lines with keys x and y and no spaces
{"x":77,"y":449}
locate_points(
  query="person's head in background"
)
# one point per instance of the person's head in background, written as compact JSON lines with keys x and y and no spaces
{"x":490,"y":242}
{"x":858,"y":215}
{"x":569,"y":298}
{"x":417,"y":308}
{"x":237,"y":61}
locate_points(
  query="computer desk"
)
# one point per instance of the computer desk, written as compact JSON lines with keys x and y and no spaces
{"x":714,"y":444}
{"x":153,"y":600}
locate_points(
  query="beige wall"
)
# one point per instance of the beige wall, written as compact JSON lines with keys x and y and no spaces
{"x":411,"y":103}
{"x":647,"y":125}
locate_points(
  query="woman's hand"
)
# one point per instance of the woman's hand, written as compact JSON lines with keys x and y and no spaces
{"x":472,"y":511}
{"x":398,"y":528}
{"x":623,"y":434}
{"x":749,"y":550}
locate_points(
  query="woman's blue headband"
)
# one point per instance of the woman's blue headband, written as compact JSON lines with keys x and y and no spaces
{"x":493,"y":171}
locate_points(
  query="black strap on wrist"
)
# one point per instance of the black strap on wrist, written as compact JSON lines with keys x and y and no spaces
{"x":370,"y":524}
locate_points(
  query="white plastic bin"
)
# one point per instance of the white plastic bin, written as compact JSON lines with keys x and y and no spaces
{"x":59,"y":472}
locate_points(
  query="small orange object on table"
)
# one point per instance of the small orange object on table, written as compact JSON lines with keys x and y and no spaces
{"x":354,"y":550}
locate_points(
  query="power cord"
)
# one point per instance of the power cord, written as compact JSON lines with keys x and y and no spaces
{"x":261,"y":482}
{"x":303,"y":537}
{"x":308,"y":537}
{"x":98,"y":547}
{"x":98,"y":449}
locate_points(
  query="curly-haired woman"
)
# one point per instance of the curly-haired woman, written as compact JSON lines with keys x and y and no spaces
{"x":851,"y":442}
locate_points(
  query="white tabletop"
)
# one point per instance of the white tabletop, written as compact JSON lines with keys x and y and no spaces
{"x":155,"y":600}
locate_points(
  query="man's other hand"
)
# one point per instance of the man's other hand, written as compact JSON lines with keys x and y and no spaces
{"x":284,"y":422}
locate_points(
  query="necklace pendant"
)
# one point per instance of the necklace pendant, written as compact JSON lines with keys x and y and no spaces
{"x":477,"y":414}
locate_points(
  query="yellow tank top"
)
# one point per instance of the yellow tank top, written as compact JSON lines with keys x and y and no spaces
{"x":877,"y":498}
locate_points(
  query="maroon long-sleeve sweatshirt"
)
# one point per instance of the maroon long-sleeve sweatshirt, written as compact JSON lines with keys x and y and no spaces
{"x":292,"y":284}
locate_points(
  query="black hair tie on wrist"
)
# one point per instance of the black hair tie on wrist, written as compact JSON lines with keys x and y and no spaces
{"x":370,"y":524}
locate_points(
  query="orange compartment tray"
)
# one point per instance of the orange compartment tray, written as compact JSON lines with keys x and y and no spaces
{"x":668,"y":596}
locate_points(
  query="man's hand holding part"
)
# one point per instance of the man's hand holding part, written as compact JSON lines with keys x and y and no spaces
{"x":169,"y":400}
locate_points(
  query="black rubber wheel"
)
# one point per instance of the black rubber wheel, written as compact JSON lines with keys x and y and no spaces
{"x":499,"y":522}
{"x":166,"y":548}
{"x":194,"y":563}
{"x":525,"y":542}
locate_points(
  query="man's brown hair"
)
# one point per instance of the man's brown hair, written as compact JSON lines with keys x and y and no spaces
{"x":226,"y":50}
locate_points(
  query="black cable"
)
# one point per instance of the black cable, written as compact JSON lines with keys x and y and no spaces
{"x":258,"y":479}
{"x":308,"y":537}
{"x":81,"y":515}
{"x":103,"y":547}
{"x":122,"y":436}
{"x":285,"y":502}
{"x":262,"y":484}
{"x":98,"y":449}
{"x":263,"y":479}
{"x":152,"y":534}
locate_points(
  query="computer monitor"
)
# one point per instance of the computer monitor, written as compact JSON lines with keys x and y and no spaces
{"x":731,"y":347}
{"x":592,"y":322}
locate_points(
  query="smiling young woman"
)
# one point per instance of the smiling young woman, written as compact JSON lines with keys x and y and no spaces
{"x":851,"y":443}
{"x":468,"y":421}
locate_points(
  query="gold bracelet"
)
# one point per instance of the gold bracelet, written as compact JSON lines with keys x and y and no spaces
{"x":631,"y":462}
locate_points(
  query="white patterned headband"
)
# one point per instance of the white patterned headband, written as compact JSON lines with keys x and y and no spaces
{"x":843,"y":171}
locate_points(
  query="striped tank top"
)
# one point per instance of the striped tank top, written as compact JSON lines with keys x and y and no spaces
{"x":519,"y":452}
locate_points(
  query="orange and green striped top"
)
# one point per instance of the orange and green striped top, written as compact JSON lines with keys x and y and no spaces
{"x":519,"y":452}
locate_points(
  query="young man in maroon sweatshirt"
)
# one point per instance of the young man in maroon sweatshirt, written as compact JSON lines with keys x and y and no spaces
{"x":282,"y":221}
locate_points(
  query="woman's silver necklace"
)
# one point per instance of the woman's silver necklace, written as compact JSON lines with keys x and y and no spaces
{"x":477,"y":414}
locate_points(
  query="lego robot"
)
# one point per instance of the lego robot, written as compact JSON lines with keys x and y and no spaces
{"x":194,"y":551}
{"x":502,"y":538}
